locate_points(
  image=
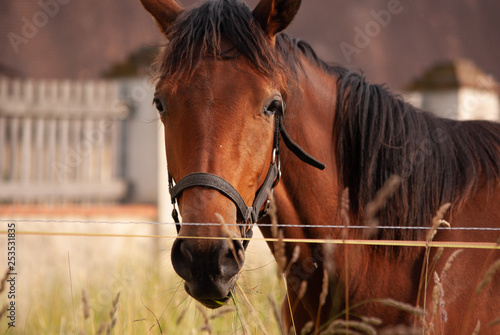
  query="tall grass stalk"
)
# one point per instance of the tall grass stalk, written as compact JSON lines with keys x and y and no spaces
{"x":437,"y":221}
{"x":254,"y":315}
{"x":71,"y":290}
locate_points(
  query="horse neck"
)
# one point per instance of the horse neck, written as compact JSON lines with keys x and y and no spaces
{"x":307,"y":195}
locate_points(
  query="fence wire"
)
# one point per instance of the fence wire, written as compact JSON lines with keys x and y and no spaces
{"x":257,"y":224}
{"x":372,"y":242}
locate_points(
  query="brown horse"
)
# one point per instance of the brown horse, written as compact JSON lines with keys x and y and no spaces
{"x":233,"y":89}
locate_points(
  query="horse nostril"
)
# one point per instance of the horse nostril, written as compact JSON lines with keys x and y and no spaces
{"x":233,"y":259}
{"x":186,"y":253}
{"x":182,"y":259}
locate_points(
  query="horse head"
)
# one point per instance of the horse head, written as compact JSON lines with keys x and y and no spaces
{"x":220,"y":95}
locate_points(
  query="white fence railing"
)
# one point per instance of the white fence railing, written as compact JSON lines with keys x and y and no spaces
{"x":60,"y":141}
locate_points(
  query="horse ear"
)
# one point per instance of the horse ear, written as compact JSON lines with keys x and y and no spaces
{"x":275,"y":15}
{"x":165,"y":12}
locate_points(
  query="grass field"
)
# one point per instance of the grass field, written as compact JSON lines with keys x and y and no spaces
{"x":100,"y":284}
{"x":87,"y":277}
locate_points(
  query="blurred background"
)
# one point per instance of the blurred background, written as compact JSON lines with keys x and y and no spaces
{"x":81,"y":146}
{"x":88,"y":39}
{"x":90,"y":59}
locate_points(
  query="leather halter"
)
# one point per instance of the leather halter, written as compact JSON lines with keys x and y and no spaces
{"x":247,"y":216}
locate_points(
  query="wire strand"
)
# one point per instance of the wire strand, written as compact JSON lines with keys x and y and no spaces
{"x":453,"y":244}
{"x":432,"y":244}
{"x":258,"y":224}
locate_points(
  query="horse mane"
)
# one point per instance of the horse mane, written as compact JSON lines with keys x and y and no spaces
{"x":439,"y":160}
{"x":376,"y":133}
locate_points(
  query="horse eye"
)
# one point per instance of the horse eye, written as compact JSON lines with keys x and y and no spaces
{"x":276,"y":106}
{"x":158,"y":105}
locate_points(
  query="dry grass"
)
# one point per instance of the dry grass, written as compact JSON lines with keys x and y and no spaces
{"x":151,"y":296}
{"x":378,"y":203}
{"x":488,"y":276}
{"x":426,"y":271}
{"x":3,"y":310}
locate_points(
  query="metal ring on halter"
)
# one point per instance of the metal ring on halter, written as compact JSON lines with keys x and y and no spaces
{"x":276,"y":160}
{"x":268,"y":202}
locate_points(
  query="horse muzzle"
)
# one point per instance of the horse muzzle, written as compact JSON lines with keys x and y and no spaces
{"x":209,"y":267}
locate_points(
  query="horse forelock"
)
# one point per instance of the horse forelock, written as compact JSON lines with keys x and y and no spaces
{"x":203,"y":31}
{"x":377,"y":135}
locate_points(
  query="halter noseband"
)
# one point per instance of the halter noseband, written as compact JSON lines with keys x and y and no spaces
{"x":247,"y":216}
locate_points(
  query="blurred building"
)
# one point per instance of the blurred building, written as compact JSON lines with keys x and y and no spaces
{"x":390,"y":41}
{"x":457,"y":90}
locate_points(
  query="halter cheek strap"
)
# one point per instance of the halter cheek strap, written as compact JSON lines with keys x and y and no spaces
{"x":248,"y":216}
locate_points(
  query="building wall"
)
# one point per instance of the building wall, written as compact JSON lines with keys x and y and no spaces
{"x":462,"y":104}
{"x":145,"y":165}
{"x":140,"y":141}
{"x":478,"y":104}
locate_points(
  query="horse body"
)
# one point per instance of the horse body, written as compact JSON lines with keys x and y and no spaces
{"x":370,"y":274}
{"x":218,"y":83}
